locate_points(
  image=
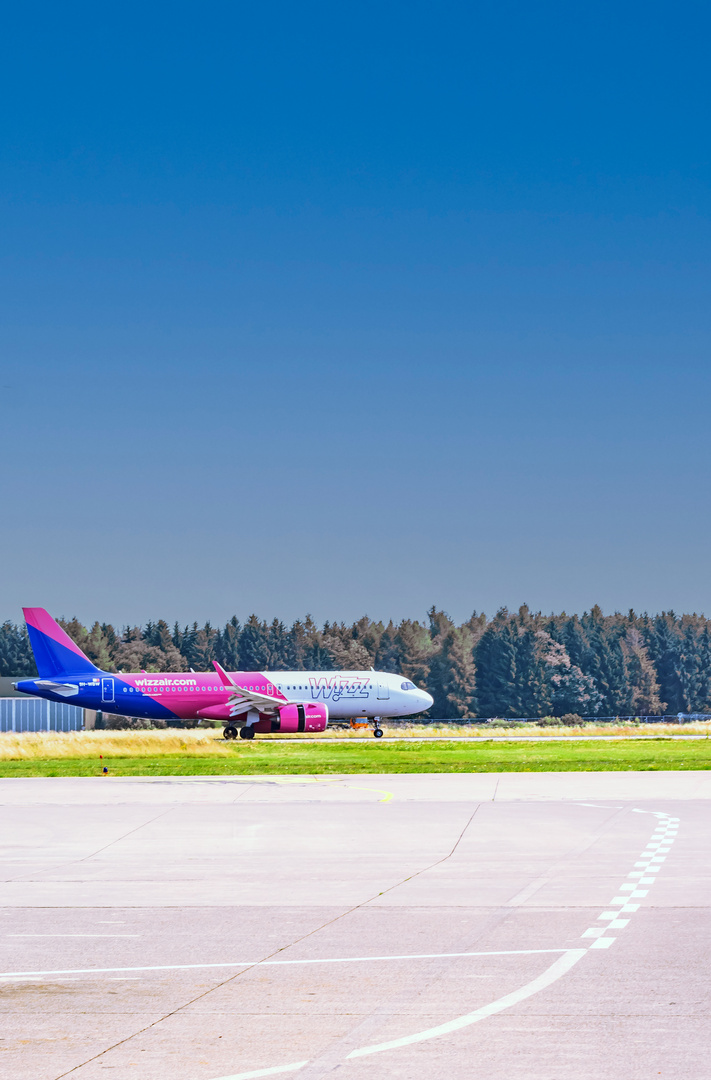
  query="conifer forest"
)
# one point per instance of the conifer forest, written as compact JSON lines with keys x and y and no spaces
{"x":521,"y":664}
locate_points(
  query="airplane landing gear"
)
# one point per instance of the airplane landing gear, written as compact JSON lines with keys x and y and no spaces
{"x":246,"y":732}
{"x":377,"y":730}
{"x":230,"y":732}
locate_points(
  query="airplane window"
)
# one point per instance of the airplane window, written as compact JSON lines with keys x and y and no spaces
{"x":407,"y":686}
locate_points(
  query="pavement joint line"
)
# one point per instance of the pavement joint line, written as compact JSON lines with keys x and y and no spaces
{"x":304,"y":937}
{"x":666,"y":828}
{"x":559,"y":968}
{"x":93,"y":854}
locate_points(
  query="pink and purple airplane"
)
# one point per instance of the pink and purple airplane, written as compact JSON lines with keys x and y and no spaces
{"x":245,"y":701}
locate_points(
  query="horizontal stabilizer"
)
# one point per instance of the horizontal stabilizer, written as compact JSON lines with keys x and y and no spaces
{"x":63,"y":689}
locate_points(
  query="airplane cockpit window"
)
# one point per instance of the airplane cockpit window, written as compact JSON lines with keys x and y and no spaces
{"x":407,"y":685}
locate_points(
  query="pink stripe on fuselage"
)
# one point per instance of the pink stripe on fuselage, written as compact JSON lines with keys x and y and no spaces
{"x":184,"y":693}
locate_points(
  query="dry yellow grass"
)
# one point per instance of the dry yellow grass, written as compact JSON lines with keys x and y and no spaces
{"x":90,"y":744}
{"x":87,"y":744}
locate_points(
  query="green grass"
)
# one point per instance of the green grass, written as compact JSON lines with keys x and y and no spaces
{"x":244,"y":758}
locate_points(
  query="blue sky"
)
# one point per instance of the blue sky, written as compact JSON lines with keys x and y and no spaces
{"x":354,"y":308}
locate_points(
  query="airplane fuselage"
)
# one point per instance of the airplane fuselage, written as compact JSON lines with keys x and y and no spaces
{"x":199,"y":695}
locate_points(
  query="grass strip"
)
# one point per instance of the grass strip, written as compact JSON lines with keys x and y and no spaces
{"x":409,"y":756}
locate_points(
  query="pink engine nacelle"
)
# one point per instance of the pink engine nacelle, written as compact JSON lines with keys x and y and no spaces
{"x":304,"y":717}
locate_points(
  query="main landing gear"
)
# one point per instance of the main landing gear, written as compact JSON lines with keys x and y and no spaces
{"x":246,"y":732}
{"x":377,"y":730}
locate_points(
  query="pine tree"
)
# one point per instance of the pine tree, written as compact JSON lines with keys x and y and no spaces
{"x":298,"y":644}
{"x":278,"y":645}
{"x":702,"y":702}
{"x":641,"y":677}
{"x":388,"y":655}
{"x":665,"y":652}
{"x":495,"y":658}
{"x":531,"y":688}
{"x":254,"y":645}
{"x":415,"y":650}
{"x":227,"y":646}
{"x":452,"y":676}
{"x":607,"y":663}
{"x":690,"y":674}
{"x":16,"y":657}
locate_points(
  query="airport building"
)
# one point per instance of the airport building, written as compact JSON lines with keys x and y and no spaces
{"x":18,"y":712}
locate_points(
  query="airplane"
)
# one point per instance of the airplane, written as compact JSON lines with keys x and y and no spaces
{"x":247,"y":702}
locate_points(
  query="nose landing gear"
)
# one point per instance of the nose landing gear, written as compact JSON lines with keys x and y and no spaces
{"x":377,"y":730}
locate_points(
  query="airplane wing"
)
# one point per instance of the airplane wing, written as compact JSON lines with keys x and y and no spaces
{"x":249,"y":699}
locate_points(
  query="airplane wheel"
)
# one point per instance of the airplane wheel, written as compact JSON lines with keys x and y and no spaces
{"x":378,"y":733}
{"x":230,"y":732}
{"x":246,"y":733}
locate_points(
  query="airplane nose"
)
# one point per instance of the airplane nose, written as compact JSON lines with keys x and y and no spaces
{"x":427,"y":700}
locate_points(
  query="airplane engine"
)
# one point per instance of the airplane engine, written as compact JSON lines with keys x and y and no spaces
{"x":301,"y":718}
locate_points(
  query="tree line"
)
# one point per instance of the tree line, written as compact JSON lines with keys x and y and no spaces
{"x":522,"y":664}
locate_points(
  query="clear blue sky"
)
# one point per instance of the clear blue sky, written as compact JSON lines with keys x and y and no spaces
{"x":350,"y":308}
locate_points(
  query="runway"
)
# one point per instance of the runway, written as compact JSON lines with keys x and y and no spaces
{"x":508,"y":926}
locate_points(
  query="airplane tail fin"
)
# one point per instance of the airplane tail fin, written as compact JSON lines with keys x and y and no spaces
{"x":55,"y":652}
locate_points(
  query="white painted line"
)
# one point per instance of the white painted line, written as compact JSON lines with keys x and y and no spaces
{"x":275,"y":963}
{"x":594,"y":931}
{"x":603,"y":943}
{"x":71,"y":935}
{"x":595,"y":806}
{"x":264,"y":1072}
{"x":555,"y":971}
{"x":617,"y":924}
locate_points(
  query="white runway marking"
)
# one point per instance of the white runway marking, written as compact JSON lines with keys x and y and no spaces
{"x":559,"y":967}
{"x":650,"y":865}
{"x":554,"y":972}
{"x":273,"y":963}
{"x":665,"y":831}
{"x":661,"y":842}
{"x":71,"y":935}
